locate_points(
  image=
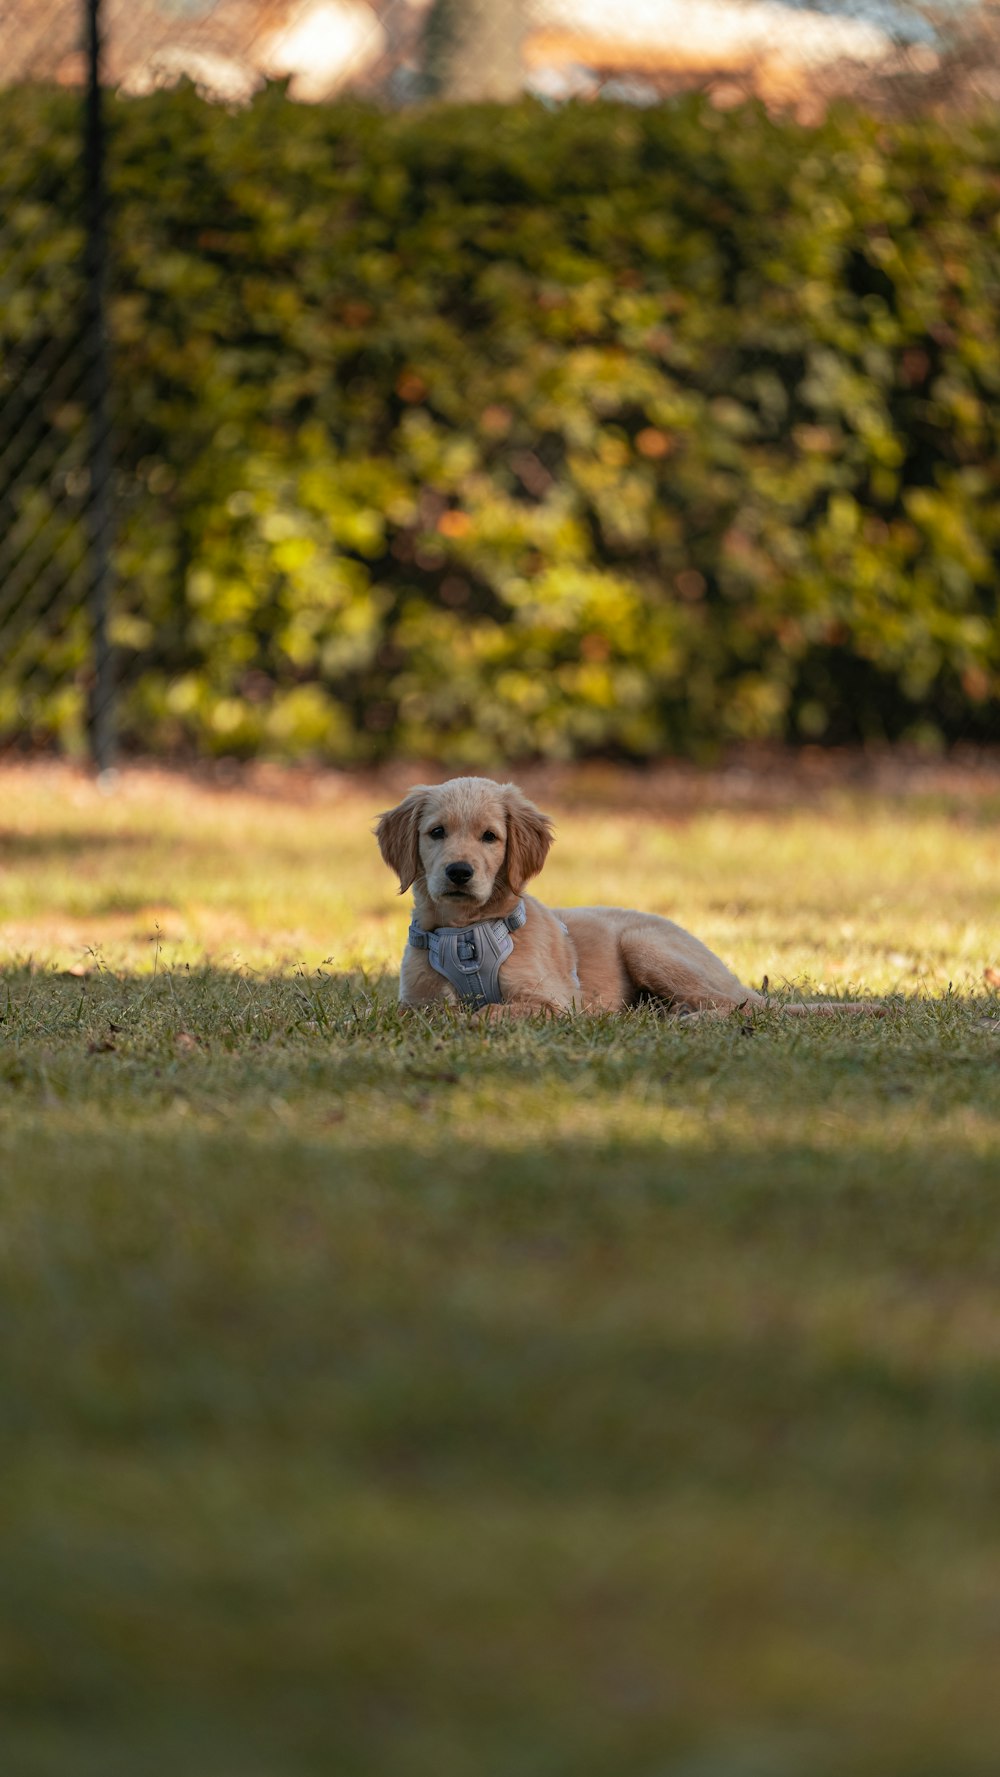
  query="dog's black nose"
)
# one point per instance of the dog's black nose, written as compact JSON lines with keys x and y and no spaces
{"x":458,"y":873}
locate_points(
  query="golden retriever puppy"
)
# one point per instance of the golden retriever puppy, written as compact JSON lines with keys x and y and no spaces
{"x":467,"y":848}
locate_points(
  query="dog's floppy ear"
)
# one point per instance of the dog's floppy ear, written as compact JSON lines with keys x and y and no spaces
{"x":529,"y":835}
{"x":398,"y":834}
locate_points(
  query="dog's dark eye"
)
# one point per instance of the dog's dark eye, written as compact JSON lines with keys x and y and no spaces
{"x":490,"y":838}
{"x":436,"y":833}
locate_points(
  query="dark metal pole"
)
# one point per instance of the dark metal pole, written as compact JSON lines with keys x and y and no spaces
{"x":101,"y":710}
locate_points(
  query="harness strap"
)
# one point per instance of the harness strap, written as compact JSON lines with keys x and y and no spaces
{"x":470,"y":957}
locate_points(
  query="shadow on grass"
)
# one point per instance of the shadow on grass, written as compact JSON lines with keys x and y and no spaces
{"x":815,"y":1125}
{"x":593,"y":1396}
{"x":347,"y":1028}
{"x":352,"y":1454}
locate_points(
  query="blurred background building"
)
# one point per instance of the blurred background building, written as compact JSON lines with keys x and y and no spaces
{"x":401,"y":50}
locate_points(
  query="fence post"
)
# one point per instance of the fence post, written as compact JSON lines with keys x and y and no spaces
{"x":101,"y":703}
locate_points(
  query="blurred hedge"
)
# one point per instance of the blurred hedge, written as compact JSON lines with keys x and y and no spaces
{"x":490,"y":432}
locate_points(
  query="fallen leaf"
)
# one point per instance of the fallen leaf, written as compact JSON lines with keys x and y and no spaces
{"x":992,"y":977}
{"x":186,"y":1043}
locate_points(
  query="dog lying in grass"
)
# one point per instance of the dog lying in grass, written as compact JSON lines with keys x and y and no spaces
{"x":467,"y":848}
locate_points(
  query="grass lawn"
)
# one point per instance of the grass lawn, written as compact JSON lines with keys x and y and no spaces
{"x":391,"y":1398}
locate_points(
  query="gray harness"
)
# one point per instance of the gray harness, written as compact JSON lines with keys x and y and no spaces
{"x":471,"y":957}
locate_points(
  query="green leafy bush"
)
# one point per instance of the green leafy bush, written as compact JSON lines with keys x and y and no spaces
{"x":493,"y":431}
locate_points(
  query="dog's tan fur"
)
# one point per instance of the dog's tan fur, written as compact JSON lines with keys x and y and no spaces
{"x":618,"y":957}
